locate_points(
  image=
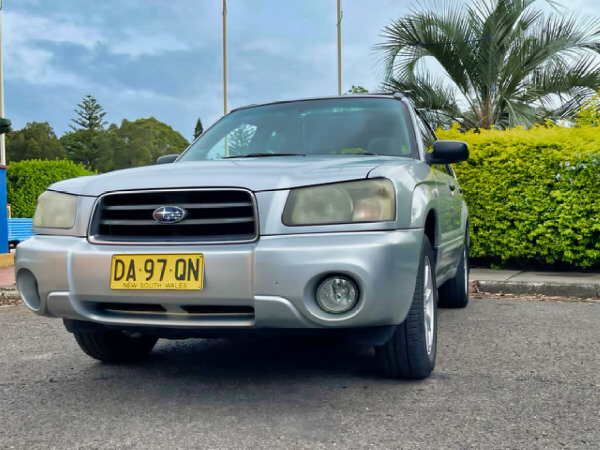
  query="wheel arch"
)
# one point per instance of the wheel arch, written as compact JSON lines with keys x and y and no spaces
{"x":430,"y":227}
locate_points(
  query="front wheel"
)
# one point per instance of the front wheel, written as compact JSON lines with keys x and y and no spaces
{"x":410,"y":352}
{"x":115,"y":346}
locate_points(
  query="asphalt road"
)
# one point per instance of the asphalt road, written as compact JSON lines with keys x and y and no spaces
{"x":510,"y":374}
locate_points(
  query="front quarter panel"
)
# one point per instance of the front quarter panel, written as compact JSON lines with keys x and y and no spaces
{"x":415,"y":191}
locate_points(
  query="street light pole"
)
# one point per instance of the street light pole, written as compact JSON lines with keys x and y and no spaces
{"x":339,"y":44}
{"x":224,"y":57}
{"x":2,"y":139}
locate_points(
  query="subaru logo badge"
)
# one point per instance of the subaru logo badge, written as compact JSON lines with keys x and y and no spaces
{"x":169,"y":214}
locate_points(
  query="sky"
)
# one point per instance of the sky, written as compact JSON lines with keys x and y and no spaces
{"x":159,"y":58}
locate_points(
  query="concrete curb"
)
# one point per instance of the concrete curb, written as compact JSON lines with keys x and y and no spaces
{"x":544,"y":288}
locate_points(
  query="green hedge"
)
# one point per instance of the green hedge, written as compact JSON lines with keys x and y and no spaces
{"x":533,"y":195}
{"x":26,"y":180}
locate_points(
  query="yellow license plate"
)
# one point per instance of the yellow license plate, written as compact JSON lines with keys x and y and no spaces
{"x":156,"y":272}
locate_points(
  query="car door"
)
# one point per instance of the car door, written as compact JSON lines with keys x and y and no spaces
{"x":448,"y":206}
{"x":452,"y":207}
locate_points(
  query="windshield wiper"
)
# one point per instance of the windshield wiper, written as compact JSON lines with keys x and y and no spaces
{"x":263,"y":155}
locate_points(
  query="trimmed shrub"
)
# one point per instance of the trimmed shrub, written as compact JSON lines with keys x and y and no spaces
{"x":533,"y":195}
{"x":26,"y":180}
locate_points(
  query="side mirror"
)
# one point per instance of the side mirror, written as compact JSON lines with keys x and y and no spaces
{"x":448,"y":152}
{"x":167,"y":159}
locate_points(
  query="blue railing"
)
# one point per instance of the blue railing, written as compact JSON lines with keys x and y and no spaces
{"x":19,"y":230}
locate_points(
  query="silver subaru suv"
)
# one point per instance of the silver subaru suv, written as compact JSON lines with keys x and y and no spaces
{"x":338,"y":216}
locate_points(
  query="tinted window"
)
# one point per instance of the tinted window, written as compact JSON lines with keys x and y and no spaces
{"x":314,"y":127}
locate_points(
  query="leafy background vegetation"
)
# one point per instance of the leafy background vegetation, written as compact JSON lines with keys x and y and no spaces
{"x":533,"y":195}
{"x":94,"y":145}
{"x":26,"y":180}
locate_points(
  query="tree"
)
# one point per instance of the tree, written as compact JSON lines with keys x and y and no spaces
{"x":137,"y":143}
{"x":198,"y":130}
{"x":492,"y":62}
{"x":82,"y":147}
{"x":81,"y":143}
{"x":358,"y":90}
{"x":90,"y":115}
{"x":36,"y":140}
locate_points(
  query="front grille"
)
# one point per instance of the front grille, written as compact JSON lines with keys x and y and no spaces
{"x":213,"y":215}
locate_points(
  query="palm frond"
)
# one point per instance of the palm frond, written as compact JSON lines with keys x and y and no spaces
{"x":507,"y":60}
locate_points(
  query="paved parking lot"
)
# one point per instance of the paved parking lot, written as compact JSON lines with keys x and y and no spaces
{"x":510,"y":374}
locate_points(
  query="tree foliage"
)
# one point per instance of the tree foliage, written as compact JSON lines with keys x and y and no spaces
{"x":358,"y":90}
{"x":589,"y":114}
{"x":82,"y":147}
{"x":90,"y":115}
{"x":492,"y":62}
{"x":136,"y":143}
{"x":81,"y":143}
{"x":198,"y":129}
{"x":36,"y":140}
{"x":144,"y":140}
{"x":95,"y":147}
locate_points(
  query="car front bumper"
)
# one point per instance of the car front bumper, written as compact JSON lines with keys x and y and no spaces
{"x":273,"y":280}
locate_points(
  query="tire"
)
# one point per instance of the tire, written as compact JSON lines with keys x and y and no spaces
{"x":454,"y":293}
{"x":114,"y":346}
{"x":410,"y":352}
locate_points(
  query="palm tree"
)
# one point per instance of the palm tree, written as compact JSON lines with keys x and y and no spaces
{"x":493,"y":62}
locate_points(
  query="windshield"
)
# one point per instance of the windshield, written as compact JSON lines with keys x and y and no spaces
{"x":341,"y":126}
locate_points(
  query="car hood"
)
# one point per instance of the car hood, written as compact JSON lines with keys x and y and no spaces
{"x":256,"y":174}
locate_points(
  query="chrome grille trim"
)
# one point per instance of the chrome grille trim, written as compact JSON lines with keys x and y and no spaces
{"x":183,"y":222}
{"x":96,"y":221}
{"x":182,"y":205}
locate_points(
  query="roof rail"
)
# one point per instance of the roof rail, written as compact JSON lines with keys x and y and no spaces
{"x":403,"y":94}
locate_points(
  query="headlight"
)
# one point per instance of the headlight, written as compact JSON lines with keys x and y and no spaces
{"x":55,"y":210}
{"x":355,"y":201}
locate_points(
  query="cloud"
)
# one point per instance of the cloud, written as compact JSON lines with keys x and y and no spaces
{"x":21,"y":27}
{"x":271,"y":47}
{"x":136,"y":45}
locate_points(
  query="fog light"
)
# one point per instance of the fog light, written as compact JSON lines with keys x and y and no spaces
{"x":337,"y":294}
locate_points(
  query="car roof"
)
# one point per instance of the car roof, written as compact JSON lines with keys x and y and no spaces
{"x":390,"y":95}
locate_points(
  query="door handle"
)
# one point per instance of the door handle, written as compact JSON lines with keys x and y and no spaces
{"x":452,"y":187}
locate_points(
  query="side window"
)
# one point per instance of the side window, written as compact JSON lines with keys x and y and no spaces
{"x":236,"y":142}
{"x":428,"y":140}
{"x":426,"y":134}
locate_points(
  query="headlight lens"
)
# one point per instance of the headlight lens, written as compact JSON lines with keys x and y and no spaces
{"x":355,"y":201}
{"x":55,"y":210}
